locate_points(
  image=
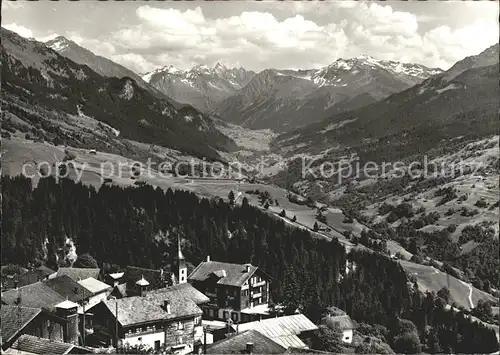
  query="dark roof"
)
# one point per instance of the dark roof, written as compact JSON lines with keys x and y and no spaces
{"x":44,"y":271}
{"x":149,"y":308}
{"x":119,"y":291}
{"x":35,"y":345}
{"x":155,"y":277}
{"x":37,"y":295}
{"x":235,"y":274}
{"x":29,"y":278}
{"x":78,"y":274}
{"x":181,"y":290}
{"x":68,"y":288}
{"x":236,"y":344}
{"x":344,"y":322}
{"x":14,"y":319}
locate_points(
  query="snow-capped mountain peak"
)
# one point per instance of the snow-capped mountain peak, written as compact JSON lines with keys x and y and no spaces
{"x":59,"y":43}
{"x":170,"y":69}
{"x":201,"y":86}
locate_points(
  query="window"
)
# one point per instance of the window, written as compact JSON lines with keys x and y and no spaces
{"x":234,"y":317}
{"x":226,"y":314}
{"x":179,"y":340}
{"x":180,"y":325}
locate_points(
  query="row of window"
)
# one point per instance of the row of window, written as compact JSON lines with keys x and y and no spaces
{"x":149,"y":328}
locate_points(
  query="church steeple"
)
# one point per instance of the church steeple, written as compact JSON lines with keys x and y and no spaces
{"x":181,"y":264}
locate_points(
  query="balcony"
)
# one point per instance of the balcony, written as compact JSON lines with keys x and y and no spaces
{"x":260,"y":283}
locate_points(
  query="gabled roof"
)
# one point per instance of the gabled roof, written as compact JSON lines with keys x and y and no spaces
{"x":228,"y":274}
{"x":149,"y":308}
{"x":344,"y":322}
{"x":94,"y":286}
{"x":14,"y":319}
{"x":181,"y":290}
{"x":68,"y":288}
{"x":37,"y":295}
{"x":34,"y":345}
{"x":236,"y":344}
{"x":283,"y":330}
{"x":78,"y":274}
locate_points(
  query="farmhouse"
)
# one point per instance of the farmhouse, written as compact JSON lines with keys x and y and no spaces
{"x":168,"y":320}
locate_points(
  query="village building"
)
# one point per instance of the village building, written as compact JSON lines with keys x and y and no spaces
{"x":168,"y":320}
{"x":99,"y":291}
{"x":288,"y":331}
{"x":135,"y":281}
{"x":25,"y":277}
{"x":60,"y":324}
{"x":335,"y":317}
{"x":49,"y":295}
{"x":237,"y":292}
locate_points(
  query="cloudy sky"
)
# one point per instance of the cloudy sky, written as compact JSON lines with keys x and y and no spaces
{"x":257,"y":35}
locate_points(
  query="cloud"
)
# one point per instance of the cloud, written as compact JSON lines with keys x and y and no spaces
{"x":253,"y":39}
{"x":261,"y":35}
{"x":20,"y":30}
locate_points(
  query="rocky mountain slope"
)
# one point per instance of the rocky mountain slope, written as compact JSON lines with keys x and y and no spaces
{"x":38,"y":79}
{"x":201,"y":87}
{"x":286,"y":99}
{"x":432,"y":180}
{"x":101,"y":65}
{"x":462,"y":101}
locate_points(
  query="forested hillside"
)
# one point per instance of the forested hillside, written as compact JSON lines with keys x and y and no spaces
{"x":136,"y":226}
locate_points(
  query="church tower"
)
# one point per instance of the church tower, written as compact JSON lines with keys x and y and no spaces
{"x":181,"y":264}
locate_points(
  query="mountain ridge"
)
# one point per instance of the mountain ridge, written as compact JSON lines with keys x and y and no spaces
{"x":460,"y":101}
{"x":292,"y":98}
{"x":201,"y":86}
{"x":34,"y":70}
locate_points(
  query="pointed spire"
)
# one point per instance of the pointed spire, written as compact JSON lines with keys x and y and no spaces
{"x":179,"y":251}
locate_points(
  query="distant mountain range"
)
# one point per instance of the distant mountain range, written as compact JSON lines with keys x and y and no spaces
{"x":286,"y":99}
{"x":42,"y":79}
{"x":460,"y":102}
{"x":202,"y":87}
